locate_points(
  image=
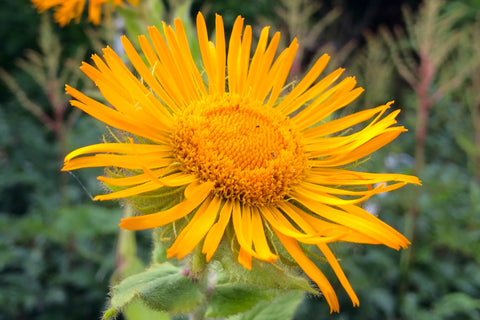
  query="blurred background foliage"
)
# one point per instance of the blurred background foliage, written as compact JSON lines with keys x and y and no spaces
{"x":58,"y":248}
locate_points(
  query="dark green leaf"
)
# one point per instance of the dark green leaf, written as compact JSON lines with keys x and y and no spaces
{"x":229,"y":299}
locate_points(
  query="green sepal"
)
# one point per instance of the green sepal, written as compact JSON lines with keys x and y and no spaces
{"x":162,"y":287}
{"x":281,"y":308}
{"x":232,"y":298}
{"x":263,"y":274}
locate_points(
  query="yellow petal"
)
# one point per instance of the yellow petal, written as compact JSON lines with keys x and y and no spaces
{"x":148,"y":175}
{"x":202,"y":220}
{"x":151,"y":161}
{"x":163,"y":78}
{"x":321,"y":98}
{"x":311,"y":270}
{"x":244,"y":60}
{"x":286,"y":105}
{"x":156,"y":108}
{"x":374,"y":228}
{"x":234,"y":56}
{"x":111,"y":117}
{"x":341,"y":124}
{"x":260,"y":86}
{"x":342,"y":177}
{"x":199,"y":191}
{"x":242,"y":235}
{"x":215,"y":234}
{"x":185,"y":52}
{"x":207,"y":59}
{"x":126,"y":148}
{"x":339,"y":273}
{"x":278,"y":222}
{"x":309,"y":227}
{"x":279,"y":72}
{"x":128,"y":192}
{"x":245,"y":259}
{"x":257,"y":57}
{"x":220,"y":53}
{"x":259,"y":240}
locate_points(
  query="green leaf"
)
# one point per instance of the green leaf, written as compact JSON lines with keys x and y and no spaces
{"x":229,"y":299}
{"x":281,"y":308}
{"x":139,"y":311}
{"x":161,"y":287}
{"x":266,"y":275}
{"x":174,"y":293}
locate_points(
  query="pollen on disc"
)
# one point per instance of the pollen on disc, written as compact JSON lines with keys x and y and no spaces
{"x":250,"y":151}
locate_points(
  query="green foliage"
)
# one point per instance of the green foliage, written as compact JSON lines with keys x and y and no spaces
{"x":56,"y":264}
{"x":232,"y":298}
{"x":57,"y":249}
{"x":281,"y":308}
{"x":162,"y":287}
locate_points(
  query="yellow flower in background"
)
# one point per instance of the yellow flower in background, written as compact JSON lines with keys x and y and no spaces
{"x":250,"y":160}
{"x":66,"y":10}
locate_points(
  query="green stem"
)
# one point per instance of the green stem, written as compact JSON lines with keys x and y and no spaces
{"x":199,"y":270}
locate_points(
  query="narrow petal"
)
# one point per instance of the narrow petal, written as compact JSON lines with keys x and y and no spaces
{"x":342,"y":177}
{"x":243,"y":238}
{"x":317,"y":195}
{"x":187,"y":56}
{"x":359,"y":212}
{"x":257,"y":57}
{"x":360,"y":152}
{"x":200,"y":191}
{"x":339,"y":273}
{"x":279,"y":72}
{"x":374,"y":228}
{"x":128,"y":181}
{"x":313,"y":224}
{"x":207,"y":59}
{"x":167,"y":72}
{"x":286,"y":105}
{"x":259,"y":240}
{"x":150,"y":182}
{"x":322,"y":98}
{"x":156,"y":108}
{"x":281,"y":224}
{"x":162,"y":90}
{"x":126,"y":148}
{"x":234,"y":56}
{"x":244,"y":60}
{"x":215,"y":234}
{"x":221,"y":53}
{"x":287,"y":207}
{"x":343,"y":123}
{"x":113,"y":118}
{"x":196,"y":229}
{"x":151,"y":161}
{"x":129,"y":192}
{"x":260,"y":86}
{"x":186,"y":85}
{"x":317,"y":113}
{"x":311,"y":270}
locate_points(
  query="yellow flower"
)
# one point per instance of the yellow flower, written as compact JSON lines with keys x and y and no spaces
{"x":66,"y":10}
{"x":250,"y":160}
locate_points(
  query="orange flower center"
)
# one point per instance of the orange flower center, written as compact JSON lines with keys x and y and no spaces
{"x":251,"y":152}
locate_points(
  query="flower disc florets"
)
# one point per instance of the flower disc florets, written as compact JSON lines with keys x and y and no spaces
{"x":251,"y":152}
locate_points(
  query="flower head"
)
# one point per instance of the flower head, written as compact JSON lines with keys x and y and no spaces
{"x":66,"y":10}
{"x":248,"y":159}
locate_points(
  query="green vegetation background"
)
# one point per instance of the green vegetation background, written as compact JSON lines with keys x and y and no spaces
{"x":57,"y":247}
